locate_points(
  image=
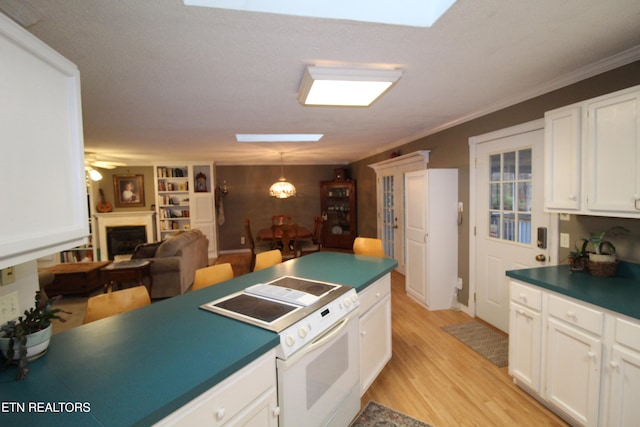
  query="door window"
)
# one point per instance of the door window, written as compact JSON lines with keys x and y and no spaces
{"x":388,"y":216}
{"x":510,"y":192}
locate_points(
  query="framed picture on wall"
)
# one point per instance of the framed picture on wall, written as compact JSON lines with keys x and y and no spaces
{"x":128,"y":191}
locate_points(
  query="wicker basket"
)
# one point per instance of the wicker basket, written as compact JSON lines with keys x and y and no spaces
{"x":603,"y":269}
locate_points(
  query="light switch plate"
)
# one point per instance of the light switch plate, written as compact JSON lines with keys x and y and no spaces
{"x":9,"y":307}
{"x":8,"y":276}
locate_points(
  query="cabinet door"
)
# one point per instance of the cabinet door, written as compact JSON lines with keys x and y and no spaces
{"x":623,"y":408}
{"x":573,"y":371}
{"x":613,"y":152}
{"x":525,"y":338}
{"x":375,"y":342}
{"x":563,"y":159}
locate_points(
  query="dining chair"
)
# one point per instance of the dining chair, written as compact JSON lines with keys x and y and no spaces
{"x":288,"y":238}
{"x":308,"y":246}
{"x":116,"y":302}
{"x":280,"y":219}
{"x":253,"y":247}
{"x":212,"y":275}
{"x":267,"y":259}
{"x":368,"y":246}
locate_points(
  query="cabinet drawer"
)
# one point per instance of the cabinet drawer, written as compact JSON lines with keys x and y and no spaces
{"x":374,"y":293}
{"x":586,"y":318}
{"x":628,"y":334}
{"x":525,"y":295}
{"x":222,"y":402}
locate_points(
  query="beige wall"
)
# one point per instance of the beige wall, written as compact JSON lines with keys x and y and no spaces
{"x":450,"y":149}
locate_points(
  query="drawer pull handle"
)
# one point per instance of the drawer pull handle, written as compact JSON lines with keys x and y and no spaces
{"x":363,"y":333}
{"x":523,"y":297}
{"x":378,"y":295}
{"x":614,"y":364}
{"x":591,"y":355}
{"x":220,"y":413}
{"x":572,"y":315}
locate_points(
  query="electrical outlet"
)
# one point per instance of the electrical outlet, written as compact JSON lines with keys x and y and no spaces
{"x":564,"y":240}
{"x":9,"y":307}
{"x":8,"y":276}
{"x":242,"y":240}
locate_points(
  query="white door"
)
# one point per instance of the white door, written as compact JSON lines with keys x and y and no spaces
{"x":416,"y":235}
{"x":507,"y":185}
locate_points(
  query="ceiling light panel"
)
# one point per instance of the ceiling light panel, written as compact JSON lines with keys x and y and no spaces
{"x":355,"y":87}
{"x":415,"y":13}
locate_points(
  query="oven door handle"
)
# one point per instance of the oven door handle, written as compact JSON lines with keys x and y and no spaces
{"x":327,"y":336}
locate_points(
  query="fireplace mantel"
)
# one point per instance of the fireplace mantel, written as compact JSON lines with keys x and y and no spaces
{"x":120,"y":219}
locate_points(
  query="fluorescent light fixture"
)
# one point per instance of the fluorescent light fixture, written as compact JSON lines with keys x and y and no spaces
{"x":278,"y":137}
{"x":414,"y":13}
{"x":353,"y":87}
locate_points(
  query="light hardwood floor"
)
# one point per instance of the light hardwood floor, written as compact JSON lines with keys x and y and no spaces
{"x":437,"y":379}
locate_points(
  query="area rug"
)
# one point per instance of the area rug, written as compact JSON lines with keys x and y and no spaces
{"x":484,"y":340}
{"x":377,"y":415}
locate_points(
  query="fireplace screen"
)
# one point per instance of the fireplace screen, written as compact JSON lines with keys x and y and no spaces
{"x":123,"y":240}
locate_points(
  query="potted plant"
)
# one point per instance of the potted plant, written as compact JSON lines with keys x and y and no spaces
{"x":602,"y":259}
{"x":27,"y":338}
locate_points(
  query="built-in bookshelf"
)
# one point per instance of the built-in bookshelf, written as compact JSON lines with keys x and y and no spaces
{"x":185,"y":199}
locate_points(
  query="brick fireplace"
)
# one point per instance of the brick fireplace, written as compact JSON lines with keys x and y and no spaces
{"x":119,"y":232}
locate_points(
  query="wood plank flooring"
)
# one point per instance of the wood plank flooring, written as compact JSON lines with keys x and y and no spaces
{"x":437,"y":379}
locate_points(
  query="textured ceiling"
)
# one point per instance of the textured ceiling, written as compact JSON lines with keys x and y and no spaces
{"x":163,"y":81}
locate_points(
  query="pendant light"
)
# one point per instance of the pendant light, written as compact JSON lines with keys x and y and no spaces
{"x":282,"y":189}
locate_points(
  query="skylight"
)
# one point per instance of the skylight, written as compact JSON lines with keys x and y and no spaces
{"x":278,"y":137}
{"x":414,"y":13}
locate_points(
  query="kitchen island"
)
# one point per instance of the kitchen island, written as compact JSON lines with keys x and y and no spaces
{"x":138,"y":367}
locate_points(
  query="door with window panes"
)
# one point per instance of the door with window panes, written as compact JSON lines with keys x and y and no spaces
{"x":509,"y":174}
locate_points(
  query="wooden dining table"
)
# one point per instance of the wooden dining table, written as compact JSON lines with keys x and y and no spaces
{"x":267,"y":233}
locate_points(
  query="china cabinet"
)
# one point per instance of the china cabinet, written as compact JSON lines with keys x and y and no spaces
{"x":185,"y":199}
{"x":338,"y":205}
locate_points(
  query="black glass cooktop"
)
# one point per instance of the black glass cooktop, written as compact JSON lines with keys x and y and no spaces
{"x":256,"y":307}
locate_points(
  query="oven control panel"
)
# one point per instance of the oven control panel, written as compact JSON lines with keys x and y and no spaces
{"x":316,"y":324}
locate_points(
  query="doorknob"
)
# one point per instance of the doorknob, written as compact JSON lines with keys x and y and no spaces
{"x":541,"y":258}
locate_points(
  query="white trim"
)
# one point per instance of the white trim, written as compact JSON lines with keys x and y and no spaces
{"x":602,"y":66}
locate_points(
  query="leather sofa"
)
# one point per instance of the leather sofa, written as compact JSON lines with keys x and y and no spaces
{"x":175,"y":261}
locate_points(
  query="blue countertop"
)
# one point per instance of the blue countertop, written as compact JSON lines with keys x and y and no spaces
{"x":138,"y":367}
{"x":620,"y":294}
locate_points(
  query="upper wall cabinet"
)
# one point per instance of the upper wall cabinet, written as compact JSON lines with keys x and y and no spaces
{"x":592,"y":156}
{"x":44,"y":202}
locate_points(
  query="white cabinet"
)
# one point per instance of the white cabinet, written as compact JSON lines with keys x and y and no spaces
{"x":431,"y":227}
{"x":375,"y":330}
{"x":563,"y":159}
{"x":613,"y":153}
{"x":573,"y":360}
{"x":246,"y":398}
{"x":185,"y":199}
{"x":525,"y":335}
{"x":42,"y":162}
{"x":580,"y":360}
{"x":623,"y":365}
{"x":592,"y":156}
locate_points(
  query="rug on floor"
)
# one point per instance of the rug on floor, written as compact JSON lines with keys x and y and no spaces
{"x":484,"y":340}
{"x":375,"y":414}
